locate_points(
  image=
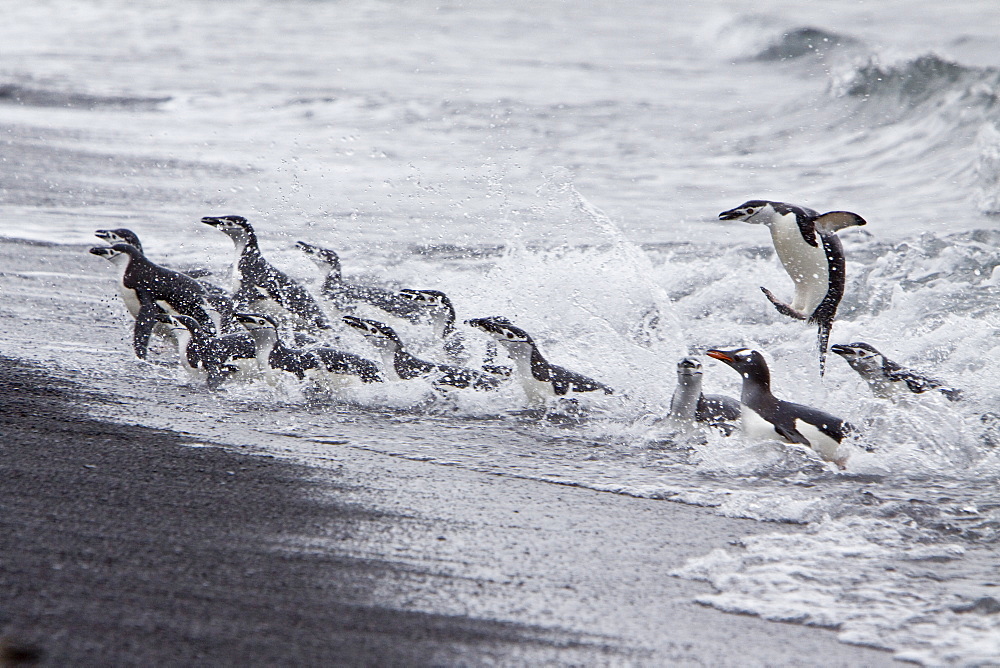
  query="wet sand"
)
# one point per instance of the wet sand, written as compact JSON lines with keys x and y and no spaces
{"x":127,"y":544}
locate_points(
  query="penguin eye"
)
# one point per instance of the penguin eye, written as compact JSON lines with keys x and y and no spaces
{"x":510,"y":335}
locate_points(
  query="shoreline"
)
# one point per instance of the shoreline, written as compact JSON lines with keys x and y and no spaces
{"x":123,"y":543}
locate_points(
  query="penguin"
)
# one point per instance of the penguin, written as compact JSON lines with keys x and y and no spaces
{"x":442,"y":316}
{"x":540,"y":379}
{"x":348,"y":297}
{"x":217,"y":297}
{"x":764,"y":416}
{"x":256,"y":280}
{"x":149,"y":289}
{"x":887,"y":379}
{"x":810,"y":251}
{"x":325,"y":365}
{"x":208,"y":358}
{"x":401,"y":365}
{"x":688,"y":404}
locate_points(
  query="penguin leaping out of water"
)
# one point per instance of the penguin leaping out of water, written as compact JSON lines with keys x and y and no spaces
{"x":210,"y":358}
{"x":257,"y":282}
{"x":764,"y":416}
{"x":540,"y":379}
{"x":324,"y":365}
{"x":810,"y":251}
{"x":887,"y":379}
{"x":689,"y":405}
{"x":149,"y":289}
{"x":401,"y":365}
{"x":347,"y":296}
{"x":217,"y":297}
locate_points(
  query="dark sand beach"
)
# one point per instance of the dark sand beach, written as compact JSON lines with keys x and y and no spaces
{"x":127,"y":544}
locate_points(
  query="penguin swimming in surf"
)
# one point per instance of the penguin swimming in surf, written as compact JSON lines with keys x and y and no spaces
{"x":887,"y":379}
{"x":149,"y":289}
{"x":540,"y":379}
{"x":258,"y":283}
{"x":348,"y":296}
{"x":209,"y":358}
{"x":441,"y":313}
{"x":689,"y":404}
{"x":811,"y":253}
{"x":401,"y":365}
{"x":324,"y":365}
{"x":764,"y":416}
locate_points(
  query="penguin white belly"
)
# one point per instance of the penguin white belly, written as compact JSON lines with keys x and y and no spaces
{"x":806,"y":265}
{"x":755,"y":427}
{"x":130,"y":298}
{"x":826,"y":447}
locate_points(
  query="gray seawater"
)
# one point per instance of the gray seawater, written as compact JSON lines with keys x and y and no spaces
{"x":563,"y":164}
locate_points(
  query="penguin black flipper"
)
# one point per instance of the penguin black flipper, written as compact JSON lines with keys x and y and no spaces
{"x":145,"y":320}
{"x":791,"y":434}
{"x":823,"y":342}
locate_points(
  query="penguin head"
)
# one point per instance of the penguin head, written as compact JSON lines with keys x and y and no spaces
{"x":749,"y":212}
{"x":749,"y":363}
{"x":256,"y":322}
{"x":116,"y":254}
{"x":860,"y":356}
{"x":235,"y":227}
{"x":119,"y":236}
{"x":426,"y":297}
{"x":377,"y":333}
{"x":178,"y":323}
{"x":324,"y":258}
{"x":501,"y":329}
{"x":689,"y":367}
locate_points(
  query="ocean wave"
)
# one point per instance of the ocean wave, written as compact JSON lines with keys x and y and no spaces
{"x":805,"y":41}
{"x":18,"y":94}
{"x":916,"y":80}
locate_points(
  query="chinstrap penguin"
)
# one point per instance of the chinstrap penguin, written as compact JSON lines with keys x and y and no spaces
{"x":810,"y":251}
{"x":442,"y":316}
{"x":217,"y":297}
{"x":764,"y":416}
{"x":887,"y":379}
{"x":322,"y":364}
{"x":348,"y":296}
{"x":540,"y":379}
{"x":257,"y":281}
{"x":149,"y":289}
{"x":401,"y":365}
{"x":689,"y":404}
{"x":210,"y":358}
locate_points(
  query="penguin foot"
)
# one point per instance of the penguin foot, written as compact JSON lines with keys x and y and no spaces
{"x":782,"y":307}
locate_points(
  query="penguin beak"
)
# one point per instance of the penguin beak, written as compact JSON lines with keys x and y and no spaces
{"x":732,"y":214}
{"x":719,"y":355}
{"x":303,"y":246}
{"x":841,"y":350}
{"x":101,"y":251}
{"x":208,"y":220}
{"x":102,"y":234}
